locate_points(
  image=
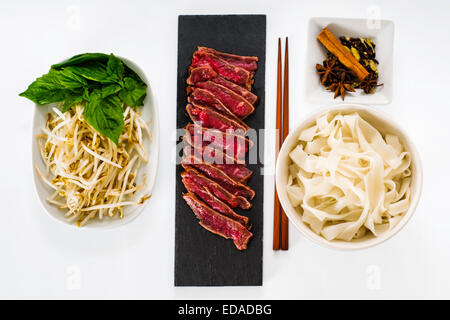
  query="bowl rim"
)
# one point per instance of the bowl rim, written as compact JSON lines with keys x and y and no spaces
{"x":154,"y":170}
{"x":344,"y":245}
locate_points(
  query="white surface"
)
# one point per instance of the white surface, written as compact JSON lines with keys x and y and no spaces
{"x":380,"y":31}
{"x":384,"y":124}
{"x":42,"y":258}
{"x":150,"y":115}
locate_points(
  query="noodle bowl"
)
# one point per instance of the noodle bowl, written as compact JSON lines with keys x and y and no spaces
{"x":348,"y":177}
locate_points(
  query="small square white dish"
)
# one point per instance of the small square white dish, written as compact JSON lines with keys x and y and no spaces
{"x":382,"y":34}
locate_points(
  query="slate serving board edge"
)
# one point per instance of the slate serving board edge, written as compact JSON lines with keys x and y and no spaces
{"x":202,"y":258}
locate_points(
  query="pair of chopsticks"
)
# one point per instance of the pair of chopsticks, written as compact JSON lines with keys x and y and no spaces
{"x":280,"y":221}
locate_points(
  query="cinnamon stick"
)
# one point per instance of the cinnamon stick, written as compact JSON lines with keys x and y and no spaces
{"x":345,"y":57}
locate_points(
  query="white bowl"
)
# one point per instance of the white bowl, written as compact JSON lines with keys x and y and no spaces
{"x":381,"y":32}
{"x":385,"y":125}
{"x":149,"y":114}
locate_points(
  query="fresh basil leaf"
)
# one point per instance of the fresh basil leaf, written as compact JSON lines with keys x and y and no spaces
{"x":110,"y":89}
{"x":129,"y":83}
{"x":105,"y":115}
{"x":103,"y":82}
{"x":43,"y":96}
{"x":115,"y":68}
{"x":94,"y":71}
{"x":85,"y":94}
{"x":134,"y":93}
{"x":70,"y":101}
{"x":101,"y":58}
{"x":51,"y":87}
{"x":132,"y":74}
{"x":69,"y":79}
{"x":81,"y":59}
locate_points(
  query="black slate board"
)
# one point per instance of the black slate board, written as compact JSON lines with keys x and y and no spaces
{"x":203,"y":258}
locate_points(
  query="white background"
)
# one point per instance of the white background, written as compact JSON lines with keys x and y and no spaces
{"x":42,"y":258}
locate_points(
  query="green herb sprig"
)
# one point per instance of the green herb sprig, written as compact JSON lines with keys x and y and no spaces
{"x":103,"y":83}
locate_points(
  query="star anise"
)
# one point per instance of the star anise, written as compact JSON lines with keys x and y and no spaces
{"x":341,"y":87}
{"x":369,"y":83}
{"x":326,"y":70}
{"x":345,"y":75}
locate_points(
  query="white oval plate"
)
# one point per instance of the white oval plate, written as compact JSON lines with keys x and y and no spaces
{"x":149,"y":115}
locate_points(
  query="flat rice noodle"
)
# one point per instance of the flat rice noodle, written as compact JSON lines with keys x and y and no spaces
{"x":347,"y":179}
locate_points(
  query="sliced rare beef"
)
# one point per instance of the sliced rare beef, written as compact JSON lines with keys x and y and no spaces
{"x":213,"y":201}
{"x":248,"y":95}
{"x":246,"y":62}
{"x":238,"y":172}
{"x":212,"y":119}
{"x":234,"y":145}
{"x":220,"y":192}
{"x":209,"y":154}
{"x":202,"y":73}
{"x":235,"y":74}
{"x":236,"y":103}
{"x":218,"y":175}
{"x":205,"y":98}
{"x":217,"y":223}
{"x":219,"y":98}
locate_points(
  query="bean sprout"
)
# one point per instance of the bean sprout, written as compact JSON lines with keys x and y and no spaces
{"x":87,"y":172}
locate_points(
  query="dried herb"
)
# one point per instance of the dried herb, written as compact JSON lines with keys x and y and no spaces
{"x":326,"y":71}
{"x":341,"y":87}
{"x":369,"y":83}
{"x":338,"y":78}
{"x":364,"y":46}
{"x":342,"y":53}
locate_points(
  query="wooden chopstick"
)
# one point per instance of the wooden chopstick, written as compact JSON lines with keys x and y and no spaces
{"x":280,"y":220}
{"x":281,"y":230}
{"x":277,"y":206}
{"x":284,"y":219}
